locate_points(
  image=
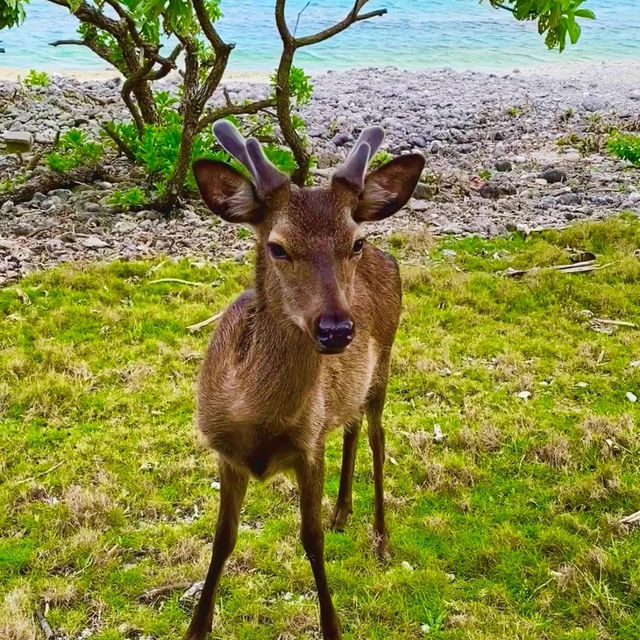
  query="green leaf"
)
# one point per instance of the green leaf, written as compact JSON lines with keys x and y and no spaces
{"x":585,"y":13}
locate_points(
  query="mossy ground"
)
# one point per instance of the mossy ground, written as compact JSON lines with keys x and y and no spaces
{"x":508,"y":529}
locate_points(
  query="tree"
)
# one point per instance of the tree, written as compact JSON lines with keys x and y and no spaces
{"x":127,"y":34}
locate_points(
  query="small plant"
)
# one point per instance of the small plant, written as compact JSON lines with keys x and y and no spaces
{"x":74,"y":149}
{"x":485,"y":174}
{"x":381,"y":158}
{"x":37,"y":79}
{"x":514,"y":111}
{"x":625,"y":146}
{"x":129,"y":198}
{"x":583,"y":145}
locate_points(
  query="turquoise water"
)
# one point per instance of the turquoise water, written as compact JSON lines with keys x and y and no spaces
{"x":414,"y":34}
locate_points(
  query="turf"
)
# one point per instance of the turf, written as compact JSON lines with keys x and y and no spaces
{"x":509,"y":528}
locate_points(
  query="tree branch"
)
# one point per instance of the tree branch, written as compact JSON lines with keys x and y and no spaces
{"x":234,"y":110}
{"x":109,"y":129}
{"x":352,"y":17}
{"x":218,"y":44}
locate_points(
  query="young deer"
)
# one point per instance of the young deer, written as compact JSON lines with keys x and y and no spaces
{"x":307,"y":349}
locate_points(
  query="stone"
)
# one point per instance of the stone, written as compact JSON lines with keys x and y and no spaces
{"x":340,"y":139}
{"x":552,"y":175}
{"x":94,"y":242}
{"x":150,"y":214}
{"x":635,"y":94}
{"x":503,"y":165}
{"x":17,"y":141}
{"x":7,"y":207}
{"x":495,"y":189}
{"x":592,"y":102}
{"x":570,"y":198}
{"x":422,"y":192}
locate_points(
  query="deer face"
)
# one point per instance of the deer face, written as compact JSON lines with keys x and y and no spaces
{"x":310,"y":241}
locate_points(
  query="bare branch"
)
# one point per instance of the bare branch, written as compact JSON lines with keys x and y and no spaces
{"x":234,"y":110}
{"x":295,"y":28}
{"x":109,"y":129}
{"x":211,"y":34}
{"x":345,"y":23}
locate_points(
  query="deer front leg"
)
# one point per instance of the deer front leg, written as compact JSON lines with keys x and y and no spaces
{"x":233,"y":487}
{"x":311,"y":483}
{"x":344,"y":504}
{"x":376,"y":442}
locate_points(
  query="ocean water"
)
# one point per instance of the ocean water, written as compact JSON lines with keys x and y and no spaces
{"x":414,"y":34}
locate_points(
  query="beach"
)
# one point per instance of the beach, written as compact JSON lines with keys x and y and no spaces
{"x":488,"y":139}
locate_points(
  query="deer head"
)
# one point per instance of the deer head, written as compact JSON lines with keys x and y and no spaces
{"x":309,"y":240}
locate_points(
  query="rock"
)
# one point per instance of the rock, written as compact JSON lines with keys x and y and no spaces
{"x":436,"y":147}
{"x":7,"y":207}
{"x":150,"y":214}
{"x":552,"y":175}
{"x":340,"y":139}
{"x":94,"y":242}
{"x":23,"y":230}
{"x":503,"y":165}
{"x":569,"y":198}
{"x":52,"y":202}
{"x":63,"y":194}
{"x":105,"y":186}
{"x":635,"y":94}
{"x":592,"y":102}
{"x":422,"y":192}
{"x":497,"y":188}
{"x":17,"y":141}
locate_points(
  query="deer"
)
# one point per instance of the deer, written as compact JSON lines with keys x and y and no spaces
{"x":307,"y":349}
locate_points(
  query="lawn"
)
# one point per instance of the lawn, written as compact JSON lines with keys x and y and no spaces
{"x":507,"y":528}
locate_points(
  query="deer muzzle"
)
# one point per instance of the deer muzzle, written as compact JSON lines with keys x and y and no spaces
{"x":334,"y":332}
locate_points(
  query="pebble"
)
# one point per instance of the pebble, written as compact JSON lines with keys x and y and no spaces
{"x":459,"y":137}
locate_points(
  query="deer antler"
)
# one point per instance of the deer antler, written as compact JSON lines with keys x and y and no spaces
{"x":249,"y":154}
{"x":353,"y":169}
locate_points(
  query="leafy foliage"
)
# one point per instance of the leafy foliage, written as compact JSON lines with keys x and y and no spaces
{"x":129,"y":198}
{"x":74,"y":149}
{"x":556,"y":18}
{"x":300,"y":87}
{"x":626,"y":147}
{"x":37,"y":79}
{"x":11,"y":13}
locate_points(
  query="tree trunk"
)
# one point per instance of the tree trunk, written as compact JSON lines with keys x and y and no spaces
{"x":144,"y":97}
{"x":175,"y":185}
{"x":52,"y":180}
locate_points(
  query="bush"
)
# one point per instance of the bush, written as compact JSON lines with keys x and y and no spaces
{"x":73,"y":150}
{"x":625,"y":146}
{"x":37,"y":79}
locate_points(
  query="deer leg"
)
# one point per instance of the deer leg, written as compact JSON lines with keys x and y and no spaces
{"x":344,"y":505}
{"x":376,"y":442}
{"x":233,"y":487}
{"x":311,"y":483}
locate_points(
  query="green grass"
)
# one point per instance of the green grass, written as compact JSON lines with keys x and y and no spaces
{"x":509,"y":529}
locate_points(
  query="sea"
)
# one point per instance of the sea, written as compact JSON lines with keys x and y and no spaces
{"x":414,"y":34}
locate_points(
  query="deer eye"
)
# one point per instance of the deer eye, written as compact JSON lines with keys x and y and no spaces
{"x":358,"y":245}
{"x":277,"y":251}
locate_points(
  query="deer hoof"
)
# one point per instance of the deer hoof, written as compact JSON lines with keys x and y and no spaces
{"x":381,"y":548}
{"x":340,"y":517}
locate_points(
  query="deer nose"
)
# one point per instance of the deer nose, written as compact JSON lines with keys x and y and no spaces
{"x":334,"y":332}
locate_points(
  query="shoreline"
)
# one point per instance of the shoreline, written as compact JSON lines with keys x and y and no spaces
{"x":560,"y":70}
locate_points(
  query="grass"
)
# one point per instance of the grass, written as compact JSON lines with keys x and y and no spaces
{"x":508,"y":529}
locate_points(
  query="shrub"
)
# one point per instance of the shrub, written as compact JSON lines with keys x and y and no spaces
{"x":625,"y":146}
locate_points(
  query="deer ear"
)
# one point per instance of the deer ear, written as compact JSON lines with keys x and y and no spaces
{"x":388,"y":189}
{"x":227,"y":192}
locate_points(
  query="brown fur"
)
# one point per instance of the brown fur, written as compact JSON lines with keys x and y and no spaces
{"x":267,"y":397}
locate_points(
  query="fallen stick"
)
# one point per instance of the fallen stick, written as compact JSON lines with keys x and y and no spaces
{"x":634,"y":518}
{"x":615,"y":323}
{"x":177,"y":280}
{"x":196,"y":327}
{"x":150,"y":597}
{"x":44,"y":625}
{"x":42,"y":473}
{"x":576,"y":267}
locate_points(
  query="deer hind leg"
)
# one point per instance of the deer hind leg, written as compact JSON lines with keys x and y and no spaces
{"x":373,"y":410}
{"x":311,"y":483}
{"x":233,"y":487}
{"x":344,"y":504}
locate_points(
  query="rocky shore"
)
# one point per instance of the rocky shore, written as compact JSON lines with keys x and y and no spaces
{"x":505,"y":151}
